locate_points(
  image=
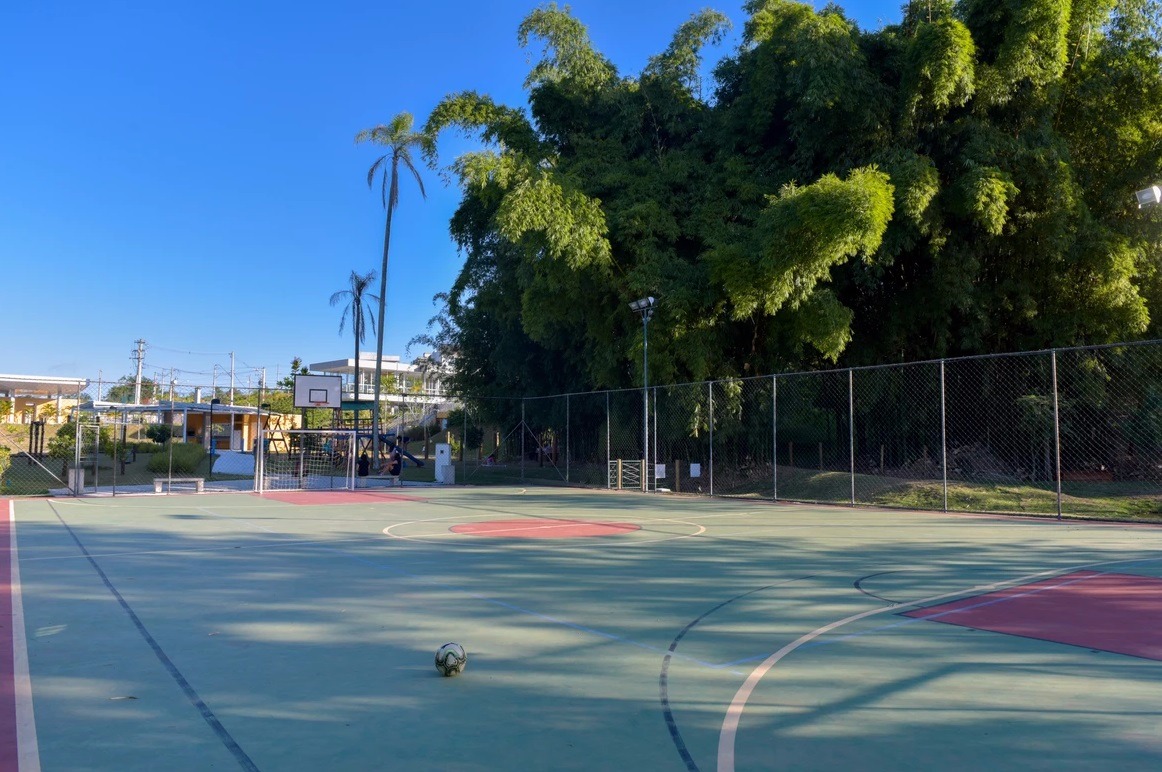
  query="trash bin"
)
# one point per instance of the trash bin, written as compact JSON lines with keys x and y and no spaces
{"x":77,"y":480}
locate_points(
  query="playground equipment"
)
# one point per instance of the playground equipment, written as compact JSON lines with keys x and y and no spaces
{"x":388,"y":441}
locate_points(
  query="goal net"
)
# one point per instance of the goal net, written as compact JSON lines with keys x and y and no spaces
{"x":305,"y":459}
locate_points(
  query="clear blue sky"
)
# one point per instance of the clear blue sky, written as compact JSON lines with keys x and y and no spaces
{"x":185,"y":172}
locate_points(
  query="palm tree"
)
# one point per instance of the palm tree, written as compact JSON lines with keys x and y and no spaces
{"x":399,"y":140}
{"x":357,"y":312}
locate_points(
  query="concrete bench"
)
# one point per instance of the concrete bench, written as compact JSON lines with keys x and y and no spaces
{"x":161,"y":482}
{"x":392,"y":480}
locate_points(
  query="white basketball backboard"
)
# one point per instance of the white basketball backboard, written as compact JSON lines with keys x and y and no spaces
{"x":318,"y":391}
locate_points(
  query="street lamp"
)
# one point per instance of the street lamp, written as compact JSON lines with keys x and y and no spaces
{"x":1151,"y":196}
{"x":210,"y":435}
{"x":645,"y":307}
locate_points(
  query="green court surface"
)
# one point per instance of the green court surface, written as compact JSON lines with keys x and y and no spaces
{"x":604,"y":631}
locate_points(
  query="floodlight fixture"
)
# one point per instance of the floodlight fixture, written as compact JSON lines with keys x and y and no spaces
{"x":645,"y":307}
{"x":1151,"y":196}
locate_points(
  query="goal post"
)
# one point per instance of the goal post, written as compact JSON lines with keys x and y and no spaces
{"x":305,"y":459}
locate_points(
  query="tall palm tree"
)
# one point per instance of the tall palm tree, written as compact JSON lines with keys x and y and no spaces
{"x":357,"y":312}
{"x":400,"y":141}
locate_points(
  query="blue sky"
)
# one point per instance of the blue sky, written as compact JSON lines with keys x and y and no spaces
{"x":185,"y":172}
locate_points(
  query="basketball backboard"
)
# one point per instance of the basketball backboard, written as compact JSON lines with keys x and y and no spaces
{"x":318,"y":391}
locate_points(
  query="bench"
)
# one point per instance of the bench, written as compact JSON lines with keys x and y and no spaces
{"x":161,"y":482}
{"x":392,"y":480}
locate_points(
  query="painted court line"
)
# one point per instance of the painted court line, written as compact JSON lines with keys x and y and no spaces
{"x":729,"y":731}
{"x":187,"y":689}
{"x":194,"y":550}
{"x":486,"y":599}
{"x":18,"y":743}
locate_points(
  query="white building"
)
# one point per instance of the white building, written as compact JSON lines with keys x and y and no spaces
{"x":412,"y":387}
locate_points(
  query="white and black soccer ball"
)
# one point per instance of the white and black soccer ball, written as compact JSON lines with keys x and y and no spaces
{"x":451,"y":659}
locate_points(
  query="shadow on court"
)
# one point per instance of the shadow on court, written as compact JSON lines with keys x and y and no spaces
{"x":220,"y":631}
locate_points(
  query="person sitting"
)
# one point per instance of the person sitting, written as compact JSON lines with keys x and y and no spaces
{"x":363,"y":466}
{"x":395,"y":464}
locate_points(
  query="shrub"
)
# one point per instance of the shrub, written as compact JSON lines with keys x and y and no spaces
{"x":159,"y":433}
{"x":186,"y":458}
{"x":5,"y":460}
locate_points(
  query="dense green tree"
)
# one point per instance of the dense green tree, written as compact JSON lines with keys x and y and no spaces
{"x":126,"y":386}
{"x":960,"y":182}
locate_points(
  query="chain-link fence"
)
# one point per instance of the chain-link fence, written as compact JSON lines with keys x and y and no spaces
{"x":1069,"y":431}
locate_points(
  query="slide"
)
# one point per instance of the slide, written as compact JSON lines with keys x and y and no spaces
{"x":390,"y":439}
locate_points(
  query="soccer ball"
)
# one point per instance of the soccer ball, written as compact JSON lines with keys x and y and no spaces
{"x":451,"y":659}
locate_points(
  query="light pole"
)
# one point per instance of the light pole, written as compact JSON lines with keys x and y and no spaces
{"x":210,"y":436}
{"x":645,"y":307}
{"x":1151,"y":196}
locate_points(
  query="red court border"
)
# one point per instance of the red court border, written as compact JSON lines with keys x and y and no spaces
{"x":1117,"y":613}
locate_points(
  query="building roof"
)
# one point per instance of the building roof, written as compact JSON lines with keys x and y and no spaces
{"x":391,"y":364}
{"x":164,"y":406}
{"x":41,"y":385}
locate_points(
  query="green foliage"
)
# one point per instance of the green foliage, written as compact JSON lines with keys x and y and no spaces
{"x":958,"y":183}
{"x":5,"y":460}
{"x":159,"y":433}
{"x":63,"y":444}
{"x":180,"y":457}
{"x":938,"y":69}
{"x":126,"y":387}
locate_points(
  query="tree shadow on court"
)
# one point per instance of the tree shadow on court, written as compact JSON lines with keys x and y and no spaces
{"x":309,"y":635}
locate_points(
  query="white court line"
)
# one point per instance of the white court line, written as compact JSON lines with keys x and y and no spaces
{"x":729,"y":731}
{"x":27,"y":749}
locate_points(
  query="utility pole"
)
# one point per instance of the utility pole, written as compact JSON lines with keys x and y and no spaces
{"x":231,"y":377}
{"x":100,"y":383}
{"x":139,"y":356}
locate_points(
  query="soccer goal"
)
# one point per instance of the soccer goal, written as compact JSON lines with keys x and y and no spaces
{"x":305,"y":459}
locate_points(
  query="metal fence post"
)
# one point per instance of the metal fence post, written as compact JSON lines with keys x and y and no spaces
{"x":710,"y":388}
{"x":775,"y":436}
{"x":566,"y":438}
{"x":77,"y":470}
{"x":654,"y":437}
{"x":943,"y":437}
{"x":523,"y":428}
{"x":608,"y":451}
{"x":851,"y":428}
{"x":1056,"y":429}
